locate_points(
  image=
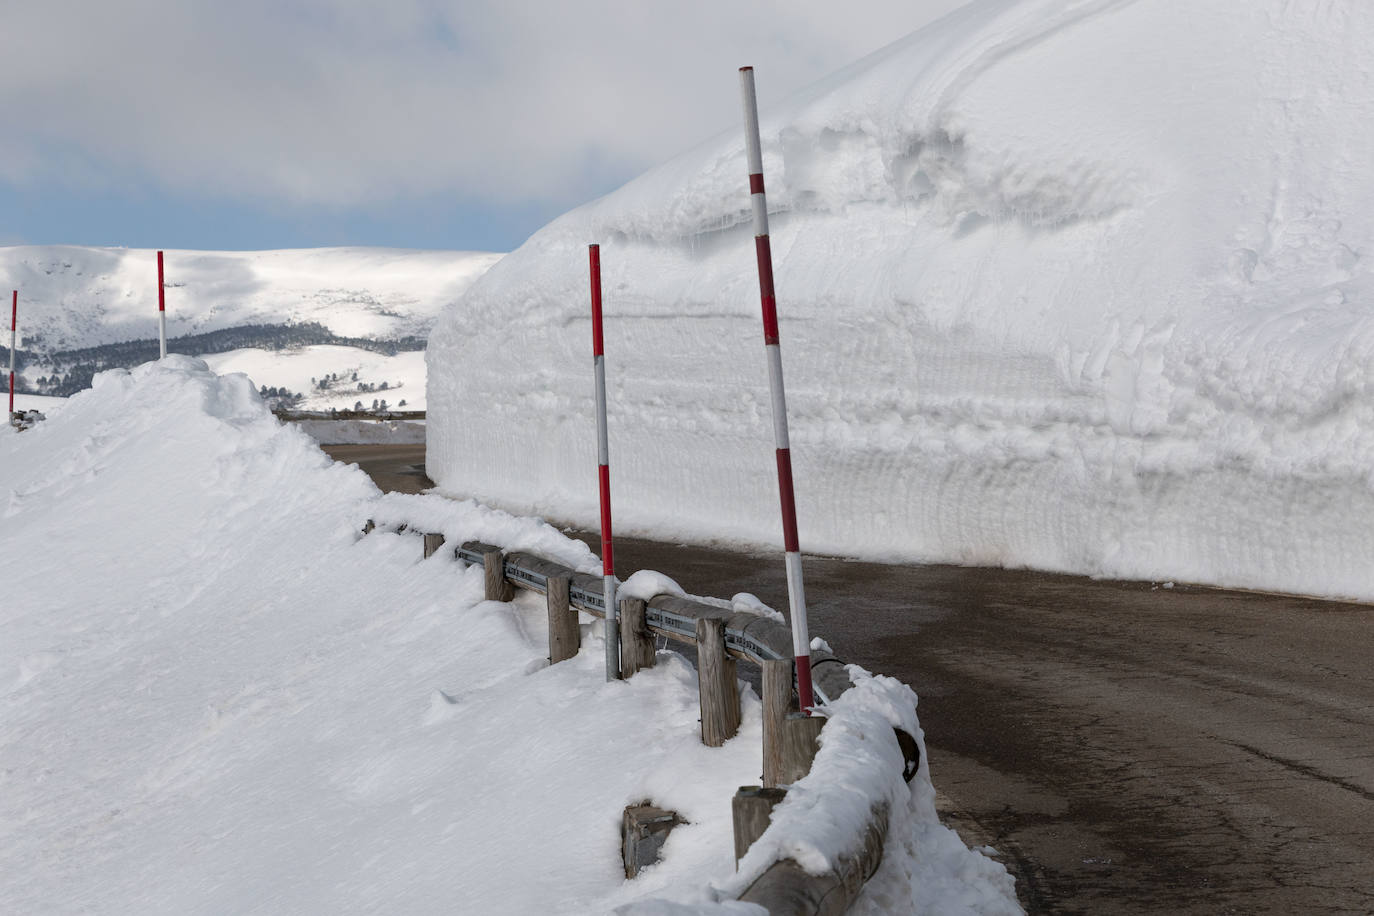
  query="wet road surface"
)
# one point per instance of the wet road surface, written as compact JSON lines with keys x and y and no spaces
{"x":1128,"y":748}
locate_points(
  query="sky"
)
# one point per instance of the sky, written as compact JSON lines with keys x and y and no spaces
{"x":458,"y":124}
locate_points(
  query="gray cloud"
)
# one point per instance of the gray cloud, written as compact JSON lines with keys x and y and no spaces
{"x":349,"y":102}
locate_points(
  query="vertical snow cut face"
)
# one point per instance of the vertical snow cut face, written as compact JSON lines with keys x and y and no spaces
{"x":1074,"y":284}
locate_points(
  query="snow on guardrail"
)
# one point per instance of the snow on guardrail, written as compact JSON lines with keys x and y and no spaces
{"x":796,"y":866}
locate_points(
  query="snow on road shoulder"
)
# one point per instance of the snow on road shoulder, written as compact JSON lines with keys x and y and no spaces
{"x":217,"y":696}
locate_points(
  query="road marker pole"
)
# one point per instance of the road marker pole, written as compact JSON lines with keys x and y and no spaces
{"x":604,"y":473}
{"x":161,"y":310}
{"x":796,"y":594}
{"x":14,"y":324}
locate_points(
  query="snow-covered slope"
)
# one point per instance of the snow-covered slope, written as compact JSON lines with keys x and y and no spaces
{"x":78,"y":297}
{"x":217,"y":697}
{"x":299,"y":369}
{"x":1076,"y":284}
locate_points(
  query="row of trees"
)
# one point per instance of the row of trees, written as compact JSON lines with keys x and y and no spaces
{"x":331,"y":383}
{"x":68,"y":371}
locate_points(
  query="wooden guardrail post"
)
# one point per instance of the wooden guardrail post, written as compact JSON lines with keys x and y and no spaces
{"x":719,"y":688}
{"x":637,"y":650}
{"x":643,"y":831}
{"x":752,"y":808}
{"x":777,"y":703}
{"x":564,"y":636}
{"x":497,"y":588}
{"x":432,"y":544}
{"x":800,"y":742}
{"x":789,"y":738}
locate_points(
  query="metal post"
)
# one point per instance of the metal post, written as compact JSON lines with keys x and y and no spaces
{"x":161,"y":310}
{"x":604,"y":474}
{"x":14,"y":323}
{"x":796,"y":595}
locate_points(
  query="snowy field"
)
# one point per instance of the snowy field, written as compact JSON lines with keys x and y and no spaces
{"x":73,"y":296}
{"x":217,"y":696}
{"x":402,"y":374}
{"x":1081,"y":285}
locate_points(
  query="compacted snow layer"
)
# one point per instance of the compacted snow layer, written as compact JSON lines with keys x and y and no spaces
{"x":1075,"y":284}
{"x":217,"y":696}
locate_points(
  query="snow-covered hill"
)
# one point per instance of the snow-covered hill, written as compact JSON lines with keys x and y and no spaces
{"x":72,"y":297}
{"x":1076,"y":284}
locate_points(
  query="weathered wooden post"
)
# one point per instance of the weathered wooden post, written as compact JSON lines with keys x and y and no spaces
{"x":752,"y":809}
{"x":637,"y":650}
{"x":497,"y":588}
{"x":789,"y":738}
{"x":800,"y":741}
{"x":432,"y":544}
{"x":777,"y":703}
{"x":564,"y":637}
{"x":643,"y":830}
{"x":718,"y":686}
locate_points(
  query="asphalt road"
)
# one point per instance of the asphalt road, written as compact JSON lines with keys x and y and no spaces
{"x":1128,"y":748}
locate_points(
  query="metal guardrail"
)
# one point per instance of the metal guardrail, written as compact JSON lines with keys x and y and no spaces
{"x":784,"y":888}
{"x":748,"y":636}
{"x":284,"y":413}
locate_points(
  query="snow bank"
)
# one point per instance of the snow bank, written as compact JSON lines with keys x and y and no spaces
{"x":1074,"y":284}
{"x":216,"y":696}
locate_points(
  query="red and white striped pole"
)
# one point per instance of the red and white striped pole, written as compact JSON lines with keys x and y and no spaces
{"x":604,"y":474}
{"x":796,"y":594}
{"x":161,"y":311}
{"x":14,"y":324}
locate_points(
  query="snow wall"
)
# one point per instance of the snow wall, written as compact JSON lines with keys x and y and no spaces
{"x":1071,"y":284}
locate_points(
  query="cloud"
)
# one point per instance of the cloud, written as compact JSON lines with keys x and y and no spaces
{"x":348,"y":102}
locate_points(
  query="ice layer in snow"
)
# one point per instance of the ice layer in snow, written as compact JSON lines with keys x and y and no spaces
{"x":217,"y":696}
{"x":1081,"y":285}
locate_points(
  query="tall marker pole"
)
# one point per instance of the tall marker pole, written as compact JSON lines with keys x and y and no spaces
{"x":796,"y":594}
{"x":604,"y":474}
{"x":14,"y":324}
{"x":161,"y":310}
